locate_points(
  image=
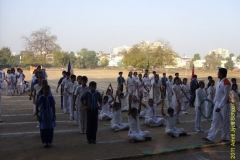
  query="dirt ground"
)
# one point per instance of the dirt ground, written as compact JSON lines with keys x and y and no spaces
{"x":20,"y":139}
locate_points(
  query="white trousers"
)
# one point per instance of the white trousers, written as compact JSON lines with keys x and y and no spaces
{"x":65,"y":102}
{"x":82,"y":119}
{"x":154,"y":122}
{"x":175,"y":131}
{"x":70,"y":101}
{"x":198,"y":119}
{"x":221,"y":118}
{"x":105,"y":116}
{"x":120,"y":127}
{"x":139,"y":136}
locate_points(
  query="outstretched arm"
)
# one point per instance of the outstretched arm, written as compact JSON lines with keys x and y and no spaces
{"x":163,"y":110}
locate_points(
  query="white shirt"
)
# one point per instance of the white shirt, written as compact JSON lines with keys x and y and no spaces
{"x":117,"y":118}
{"x":37,"y":88}
{"x":1,"y":76}
{"x":134,"y":126}
{"x":169,"y":86}
{"x":65,"y":81}
{"x":223,"y":89}
{"x":9,"y":78}
{"x":14,"y":77}
{"x":135,"y":78}
{"x":80,"y":91}
{"x":105,"y":108}
{"x":69,"y":87}
{"x":151,"y":112}
{"x":130,"y":81}
{"x":123,"y":100}
{"x":134,"y":105}
{"x":200,"y":96}
{"x":210,"y":92}
{"x":156,"y":87}
{"x":170,"y":121}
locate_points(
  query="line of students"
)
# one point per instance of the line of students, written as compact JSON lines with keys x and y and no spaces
{"x":88,"y":101}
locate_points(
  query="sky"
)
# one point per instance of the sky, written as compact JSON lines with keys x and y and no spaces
{"x":190,"y":26}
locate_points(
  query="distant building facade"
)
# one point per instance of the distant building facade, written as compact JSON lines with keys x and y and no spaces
{"x":224,"y":53}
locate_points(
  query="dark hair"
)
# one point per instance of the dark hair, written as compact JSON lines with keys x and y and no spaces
{"x":233,"y":79}
{"x":154,"y":72}
{"x":209,"y":77}
{"x":146,"y":70}
{"x":170,"y":76}
{"x":210,"y":82}
{"x":133,"y":110}
{"x":120,"y":73}
{"x":194,"y":76}
{"x":68,"y":73}
{"x":134,"y":72}
{"x":84,"y":78}
{"x":184,"y":79}
{"x":170,"y":109}
{"x":105,"y":97}
{"x":223,"y":72}
{"x":176,"y":73}
{"x":177,"y":78}
{"x":63,"y":72}
{"x":234,"y":85}
{"x":150,"y":99}
{"x":79,"y":77}
{"x":44,"y":81}
{"x":92,"y":83}
{"x":46,"y":87}
{"x":200,"y":83}
{"x":73,"y":76}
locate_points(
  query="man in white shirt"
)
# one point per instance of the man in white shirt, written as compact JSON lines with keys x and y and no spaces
{"x":65,"y":95}
{"x":221,"y":111}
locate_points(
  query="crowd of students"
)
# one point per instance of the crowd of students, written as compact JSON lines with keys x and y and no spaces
{"x":86,"y":105}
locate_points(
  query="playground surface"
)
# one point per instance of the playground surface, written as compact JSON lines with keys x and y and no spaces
{"x":20,"y":138}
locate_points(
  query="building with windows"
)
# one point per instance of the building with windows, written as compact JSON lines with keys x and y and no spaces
{"x":224,"y":53}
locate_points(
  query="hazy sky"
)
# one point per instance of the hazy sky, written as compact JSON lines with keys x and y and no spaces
{"x":190,"y":26}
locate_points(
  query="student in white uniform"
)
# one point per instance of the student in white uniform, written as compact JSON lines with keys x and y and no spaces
{"x":9,"y":82}
{"x":130,"y":84}
{"x":123,"y":99}
{"x":109,"y":93}
{"x":14,"y":81}
{"x":156,"y":88}
{"x":210,"y":96}
{"x":69,"y":91}
{"x":135,"y":134}
{"x":139,"y":86}
{"x":20,"y":80}
{"x":221,"y":111}
{"x":170,"y":120}
{"x":36,"y":89}
{"x":116,"y":122}
{"x":147,"y":86}
{"x":135,"y":78}
{"x":151,"y":119}
{"x":186,"y":99}
{"x":75,"y":108}
{"x":82,"y":115}
{"x":2,"y":75}
{"x":27,"y":86}
{"x":177,"y":99}
{"x":1,"y":85}
{"x":152,"y":79}
{"x":169,"y":92}
{"x":234,"y":99}
{"x":200,"y":96}
{"x":105,"y":113}
{"x":64,"y":83}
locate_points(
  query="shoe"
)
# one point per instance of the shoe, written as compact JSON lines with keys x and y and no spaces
{"x":207,"y":140}
{"x":48,"y":145}
{"x":183,"y":134}
{"x":198,"y":130}
{"x":223,"y":141}
{"x":148,"y":138}
{"x":45,"y":145}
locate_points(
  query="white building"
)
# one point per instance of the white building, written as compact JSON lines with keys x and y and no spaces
{"x":118,"y":50}
{"x":224,"y":53}
{"x":200,"y":63}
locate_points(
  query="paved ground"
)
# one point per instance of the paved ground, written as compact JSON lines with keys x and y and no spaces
{"x":20,"y":139}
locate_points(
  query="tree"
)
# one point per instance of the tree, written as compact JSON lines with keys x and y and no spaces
{"x":104,"y":61}
{"x":28,"y":58}
{"x":86,"y":59}
{"x":41,"y":43}
{"x":212,"y":61}
{"x":6,"y":57}
{"x":229,"y":65}
{"x":158,"y":54}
